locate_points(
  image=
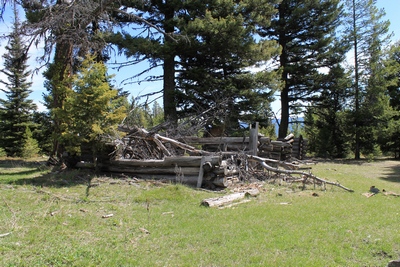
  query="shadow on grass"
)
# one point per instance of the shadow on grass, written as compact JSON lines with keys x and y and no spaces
{"x":58,"y":179}
{"x":17,"y":163}
{"x":392,"y":173}
{"x":21,"y":173}
{"x":53,"y":178}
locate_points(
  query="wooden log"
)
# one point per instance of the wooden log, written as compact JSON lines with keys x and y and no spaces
{"x":182,"y":161}
{"x":253,"y":140}
{"x":220,"y":140}
{"x":185,"y":179}
{"x":204,"y":161}
{"x":224,"y":200}
{"x":221,"y":181}
{"x":179,"y":144}
{"x":153,"y":170}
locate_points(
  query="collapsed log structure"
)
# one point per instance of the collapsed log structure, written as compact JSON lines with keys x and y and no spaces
{"x":207,"y":162}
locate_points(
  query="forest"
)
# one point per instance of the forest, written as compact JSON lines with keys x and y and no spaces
{"x":223,"y":63}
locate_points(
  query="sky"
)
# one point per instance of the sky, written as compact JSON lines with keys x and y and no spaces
{"x":390,"y":7}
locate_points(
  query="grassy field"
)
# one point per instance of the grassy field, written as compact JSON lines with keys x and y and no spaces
{"x":55,"y":219}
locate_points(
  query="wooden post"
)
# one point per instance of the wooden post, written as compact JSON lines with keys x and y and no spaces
{"x":253,"y":139}
{"x":204,"y":160}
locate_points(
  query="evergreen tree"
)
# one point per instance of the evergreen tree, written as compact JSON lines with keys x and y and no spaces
{"x":305,"y":29}
{"x":31,"y":145}
{"x":93,"y":108}
{"x":215,"y":62}
{"x":214,"y":36}
{"x":328,"y":123}
{"x":158,"y":44}
{"x":43,"y":132}
{"x":389,"y":138}
{"x":16,"y":109}
{"x":368,"y":34}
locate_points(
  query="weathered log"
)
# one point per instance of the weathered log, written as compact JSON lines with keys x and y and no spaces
{"x":170,"y":178}
{"x":224,"y":200}
{"x":153,"y":170}
{"x":202,"y":169}
{"x":182,"y":161}
{"x":179,"y":144}
{"x":220,"y":181}
{"x":221,"y":140}
{"x":304,"y":175}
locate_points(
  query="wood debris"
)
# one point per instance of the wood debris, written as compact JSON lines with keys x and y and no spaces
{"x":147,"y":232}
{"x":229,"y":199}
{"x":210,"y":162}
{"x":5,"y":234}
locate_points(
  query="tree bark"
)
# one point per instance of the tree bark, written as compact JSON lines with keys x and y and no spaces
{"x":170,"y":113}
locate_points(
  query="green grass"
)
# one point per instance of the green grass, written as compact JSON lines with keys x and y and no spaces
{"x":55,"y":220}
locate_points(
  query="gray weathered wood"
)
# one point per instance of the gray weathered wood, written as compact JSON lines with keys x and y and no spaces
{"x":253,"y":140}
{"x":221,"y":201}
{"x":204,"y":160}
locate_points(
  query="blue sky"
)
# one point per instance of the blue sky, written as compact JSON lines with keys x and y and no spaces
{"x":390,"y":6}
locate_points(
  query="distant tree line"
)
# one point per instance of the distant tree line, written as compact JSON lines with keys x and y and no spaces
{"x":228,"y":58}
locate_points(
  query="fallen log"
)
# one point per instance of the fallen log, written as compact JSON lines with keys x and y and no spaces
{"x":228,"y":199}
{"x":304,"y":175}
{"x":182,"y":161}
{"x":154,"y":170}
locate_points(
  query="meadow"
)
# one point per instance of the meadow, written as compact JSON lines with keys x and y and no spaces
{"x":50,"y":218}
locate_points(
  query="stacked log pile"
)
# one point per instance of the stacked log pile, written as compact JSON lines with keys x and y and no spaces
{"x":299,"y":147}
{"x":150,"y":155}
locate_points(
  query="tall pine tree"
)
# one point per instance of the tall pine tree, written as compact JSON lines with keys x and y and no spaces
{"x":368,"y":34}
{"x":215,"y":63}
{"x":16,"y":109}
{"x":204,"y":51}
{"x":305,"y":29}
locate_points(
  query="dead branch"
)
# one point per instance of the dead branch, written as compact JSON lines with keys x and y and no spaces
{"x":304,"y":175}
{"x":6,"y":234}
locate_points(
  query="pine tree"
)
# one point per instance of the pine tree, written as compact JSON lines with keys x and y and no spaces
{"x":93,"y":108}
{"x":16,"y":109}
{"x":158,"y":44}
{"x":368,"y":34}
{"x":215,"y":63}
{"x":207,"y":44}
{"x":305,"y":29}
{"x":389,"y":138}
{"x":31,"y":145}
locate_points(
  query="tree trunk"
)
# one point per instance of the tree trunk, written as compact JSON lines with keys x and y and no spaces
{"x":284,"y":123}
{"x":170,"y":113}
{"x":58,"y":72}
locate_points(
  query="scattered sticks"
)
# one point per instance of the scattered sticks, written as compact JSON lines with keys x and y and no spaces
{"x":304,"y":175}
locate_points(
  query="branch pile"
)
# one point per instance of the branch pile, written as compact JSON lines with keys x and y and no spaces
{"x":149,"y":154}
{"x":141,"y":144}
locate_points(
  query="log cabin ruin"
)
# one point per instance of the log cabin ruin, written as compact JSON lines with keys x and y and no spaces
{"x":209,"y":162}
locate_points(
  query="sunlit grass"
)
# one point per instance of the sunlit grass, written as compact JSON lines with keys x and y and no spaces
{"x":54,"y":219}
